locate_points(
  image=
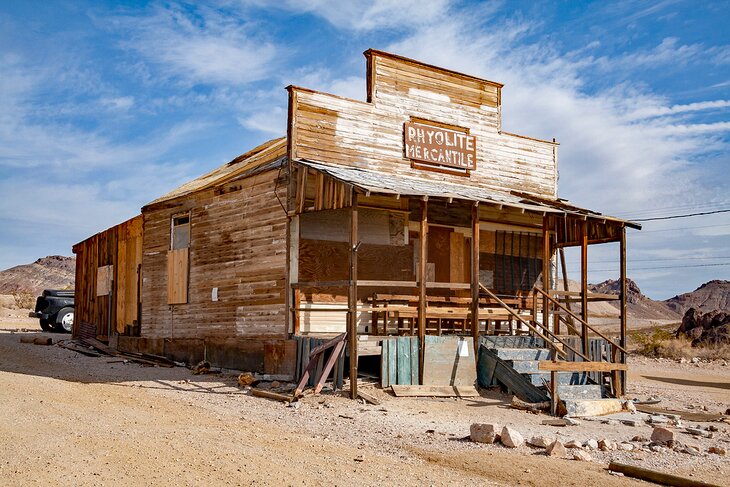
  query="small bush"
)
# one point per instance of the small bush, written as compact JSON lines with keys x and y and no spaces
{"x":662,"y":343}
{"x":24,"y":300}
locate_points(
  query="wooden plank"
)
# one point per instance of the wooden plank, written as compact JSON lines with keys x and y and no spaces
{"x":475,"y":244}
{"x":584,"y":285}
{"x":434,"y":391}
{"x":392,"y":362}
{"x":272,"y":395}
{"x":177,"y":276}
{"x":623,"y":312}
{"x":491,"y":365}
{"x":562,"y":366}
{"x":657,"y":477}
{"x":415,"y":362}
{"x":384,"y":361}
{"x":403,"y":365}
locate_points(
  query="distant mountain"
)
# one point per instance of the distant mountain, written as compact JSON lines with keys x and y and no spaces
{"x":52,"y":272}
{"x":639,"y":306}
{"x":711,"y":296}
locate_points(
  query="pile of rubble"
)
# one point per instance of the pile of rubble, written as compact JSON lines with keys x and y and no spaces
{"x":664,"y":437}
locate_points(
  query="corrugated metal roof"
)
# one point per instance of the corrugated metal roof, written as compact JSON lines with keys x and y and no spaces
{"x":377,"y":182}
{"x":267,"y":152}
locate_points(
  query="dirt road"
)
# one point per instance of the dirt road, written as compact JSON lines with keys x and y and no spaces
{"x":68,"y":419}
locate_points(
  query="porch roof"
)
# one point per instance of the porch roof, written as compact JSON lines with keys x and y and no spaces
{"x":393,"y":184}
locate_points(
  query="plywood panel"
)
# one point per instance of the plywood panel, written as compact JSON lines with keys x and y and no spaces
{"x":177,"y":276}
{"x":449,"y":361}
{"x":104,"y":276}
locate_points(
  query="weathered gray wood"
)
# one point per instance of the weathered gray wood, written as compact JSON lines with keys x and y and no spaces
{"x":415,"y":375}
{"x":657,"y":477}
{"x":403,"y":360}
{"x":520,"y":386}
{"x":434,"y":391}
{"x":448,"y":360}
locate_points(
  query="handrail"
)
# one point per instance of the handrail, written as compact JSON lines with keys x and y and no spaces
{"x":580,"y":320}
{"x":531,"y":327}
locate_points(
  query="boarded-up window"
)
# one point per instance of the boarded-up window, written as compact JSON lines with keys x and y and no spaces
{"x":180,"y":232}
{"x":178,"y":259}
{"x":104,"y":276}
{"x":177,"y":276}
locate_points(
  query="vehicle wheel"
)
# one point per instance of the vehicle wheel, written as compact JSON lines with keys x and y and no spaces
{"x":46,"y":325}
{"x":65,"y":320}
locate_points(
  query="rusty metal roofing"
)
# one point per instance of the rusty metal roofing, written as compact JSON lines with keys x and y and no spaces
{"x":267,"y":152}
{"x":393,"y":184}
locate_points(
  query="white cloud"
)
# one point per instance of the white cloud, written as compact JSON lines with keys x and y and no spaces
{"x":206,"y":47}
{"x":272,"y":121}
{"x":366,"y":16}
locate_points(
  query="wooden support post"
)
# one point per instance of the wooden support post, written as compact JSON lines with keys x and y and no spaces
{"x":584,"y":285}
{"x":422,"y":247}
{"x":566,"y":287}
{"x":623,"y":307}
{"x":545,"y":271}
{"x":554,"y":392}
{"x":352,"y":297}
{"x":475,"y":275}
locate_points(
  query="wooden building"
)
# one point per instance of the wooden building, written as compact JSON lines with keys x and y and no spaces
{"x":412,"y":213}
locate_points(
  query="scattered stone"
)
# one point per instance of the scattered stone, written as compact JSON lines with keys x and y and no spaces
{"x":630,"y":422}
{"x":640,"y":439}
{"x":484,"y":432}
{"x":573,"y":444}
{"x":592,"y":444}
{"x":657,"y":448}
{"x":571,"y":421}
{"x":246,"y":379}
{"x":712,"y":427}
{"x":625,"y":446}
{"x":630,"y":407}
{"x":581,"y":456}
{"x":606,"y":445}
{"x":698,"y":432}
{"x":658,"y":419}
{"x":359,"y":458}
{"x":611,"y":422}
{"x":717,"y":450}
{"x":556,"y":449}
{"x":540,"y":441}
{"x":691,"y":450}
{"x":275,"y":384}
{"x":203,"y":367}
{"x":696,"y":360}
{"x":511,"y":438}
{"x":662,"y":436}
{"x":294,"y":404}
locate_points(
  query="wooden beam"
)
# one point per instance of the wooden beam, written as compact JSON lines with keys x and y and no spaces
{"x":584,"y":285}
{"x":475,"y":275}
{"x":566,"y":288}
{"x":623,"y":310}
{"x":546,"y":271}
{"x":656,"y":477}
{"x":564,"y":366}
{"x":352,"y":298}
{"x":422,"y":247}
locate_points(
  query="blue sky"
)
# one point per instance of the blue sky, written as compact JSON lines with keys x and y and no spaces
{"x":106,"y":105}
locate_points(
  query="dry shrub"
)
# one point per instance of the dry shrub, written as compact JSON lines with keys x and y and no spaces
{"x":24,"y":300}
{"x":662,"y":343}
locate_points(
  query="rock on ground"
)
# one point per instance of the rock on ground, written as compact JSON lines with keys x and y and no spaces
{"x":556,"y":449}
{"x":484,"y":432}
{"x":662,"y":436}
{"x":511,"y":438}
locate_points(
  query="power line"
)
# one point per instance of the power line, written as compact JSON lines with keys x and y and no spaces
{"x":694,"y":206}
{"x":661,"y":267}
{"x":643,"y":232}
{"x":653,"y":260}
{"x":681,"y":216}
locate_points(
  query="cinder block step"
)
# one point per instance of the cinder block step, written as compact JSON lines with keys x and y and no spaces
{"x":522,"y":353}
{"x":592,"y":407}
{"x":563,"y":377}
{"x":586,"y":391}
{"x":524,"y":366}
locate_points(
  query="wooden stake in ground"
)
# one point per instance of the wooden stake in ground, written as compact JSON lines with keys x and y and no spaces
{"x":656,"y":477}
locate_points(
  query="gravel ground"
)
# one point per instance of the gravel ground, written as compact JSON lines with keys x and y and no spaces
{"x":76,"y":420}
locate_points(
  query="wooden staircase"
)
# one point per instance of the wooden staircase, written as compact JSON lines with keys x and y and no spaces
{"x":542,"y":366}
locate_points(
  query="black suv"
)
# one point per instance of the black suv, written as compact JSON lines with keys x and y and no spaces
{"x":55,"y":309}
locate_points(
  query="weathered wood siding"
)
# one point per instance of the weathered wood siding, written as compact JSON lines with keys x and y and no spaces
{"x":238,"y":245}
{"x":332,"y":129}
{"x":118,"y":251}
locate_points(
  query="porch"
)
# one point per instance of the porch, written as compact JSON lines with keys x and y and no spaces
{"x":380,"y":256}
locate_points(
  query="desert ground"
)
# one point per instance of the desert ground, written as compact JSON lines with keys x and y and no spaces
{"x":69,"y":419}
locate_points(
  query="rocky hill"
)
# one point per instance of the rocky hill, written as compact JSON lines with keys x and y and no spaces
{"x":639,"y":306}
{"x":711,"y":296}
{"x":52,"y":272}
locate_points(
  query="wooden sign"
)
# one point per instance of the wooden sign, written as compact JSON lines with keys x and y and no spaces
{"x":439,"y":146}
